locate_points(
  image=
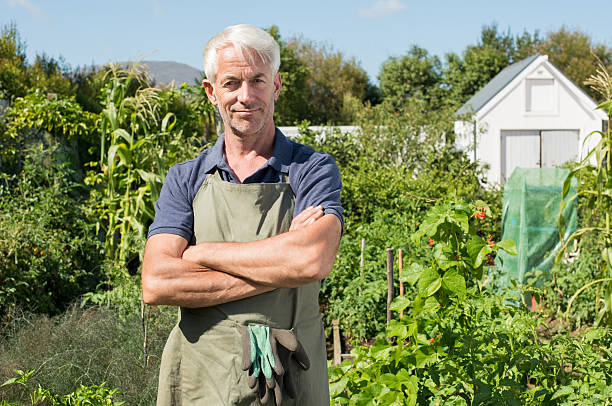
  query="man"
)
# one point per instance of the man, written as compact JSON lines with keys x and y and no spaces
{"x":242,"y":237}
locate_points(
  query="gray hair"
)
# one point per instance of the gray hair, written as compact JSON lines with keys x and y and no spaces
{"x":242,"y":37}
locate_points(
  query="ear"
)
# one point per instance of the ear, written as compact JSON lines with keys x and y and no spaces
{"x":278,"y":84}
{"x":210,"y":91}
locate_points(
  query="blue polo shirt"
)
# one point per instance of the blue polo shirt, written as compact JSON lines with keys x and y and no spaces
{"x":313,"y":176}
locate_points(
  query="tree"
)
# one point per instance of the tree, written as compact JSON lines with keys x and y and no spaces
{"x":414,"y":75}
{"x":13,"y":82}
{"x":292,"y":104}
{"x":17,"y":77}
{"x":336,"y":85}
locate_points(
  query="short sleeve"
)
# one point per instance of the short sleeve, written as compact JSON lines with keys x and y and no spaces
{"x":173,"y":210}
{"x":319,"y":183}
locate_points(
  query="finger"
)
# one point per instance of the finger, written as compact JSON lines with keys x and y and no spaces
{"x":304,"y":213}
{"x":303,"y":218}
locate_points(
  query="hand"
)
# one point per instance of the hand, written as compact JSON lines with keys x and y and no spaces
{"x":190,"y":254}
{"x":306,"y":217}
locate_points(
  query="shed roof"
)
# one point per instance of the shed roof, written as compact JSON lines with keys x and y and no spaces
{"x":501,"y":80}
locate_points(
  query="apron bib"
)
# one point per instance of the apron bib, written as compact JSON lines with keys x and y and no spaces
{"x":201,"y":362}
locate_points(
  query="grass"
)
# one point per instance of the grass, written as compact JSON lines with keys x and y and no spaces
{"x":83,"y":346}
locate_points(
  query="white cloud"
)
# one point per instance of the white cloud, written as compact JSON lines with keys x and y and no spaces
{"x":381,"y":8}
{"x":34,"y":10}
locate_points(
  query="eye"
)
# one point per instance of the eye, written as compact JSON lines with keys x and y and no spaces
{"x":231,"y":84}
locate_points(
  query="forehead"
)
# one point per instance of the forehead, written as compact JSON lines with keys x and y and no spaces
{"x":231,"y":63}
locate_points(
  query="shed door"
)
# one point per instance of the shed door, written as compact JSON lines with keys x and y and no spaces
{"x":558,"y":147}
{"x":519,"y":149}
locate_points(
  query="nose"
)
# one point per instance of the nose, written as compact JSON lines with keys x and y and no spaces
{"x":245,"y":92}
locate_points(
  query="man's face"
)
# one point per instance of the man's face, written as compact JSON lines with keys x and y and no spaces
{"x":244,"y":93}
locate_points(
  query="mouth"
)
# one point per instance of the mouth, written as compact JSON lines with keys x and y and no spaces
{"x":246,"y":111}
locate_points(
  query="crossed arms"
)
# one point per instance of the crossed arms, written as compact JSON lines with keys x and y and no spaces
{"x":212,"y":273}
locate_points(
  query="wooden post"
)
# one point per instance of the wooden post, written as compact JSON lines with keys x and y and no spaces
{"x":389,"y":282}
{"x":400,"y":262}
{"x":361,"y":263}
{"x":362,"y":258}
{"x":337,"y":347}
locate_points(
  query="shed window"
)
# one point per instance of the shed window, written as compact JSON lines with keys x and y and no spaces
{"x":540,"y":95}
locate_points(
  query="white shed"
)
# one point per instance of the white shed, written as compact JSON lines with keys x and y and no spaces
{"x":530,"y":115}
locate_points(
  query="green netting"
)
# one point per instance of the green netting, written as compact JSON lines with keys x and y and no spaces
{"x":531,"y":205}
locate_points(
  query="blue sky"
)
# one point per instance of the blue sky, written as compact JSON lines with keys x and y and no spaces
{"x":86,"y":32}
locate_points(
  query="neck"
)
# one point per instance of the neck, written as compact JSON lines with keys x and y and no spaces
{"x":245,"y":154}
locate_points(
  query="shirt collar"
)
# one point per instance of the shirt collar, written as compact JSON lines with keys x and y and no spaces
{"x":280,"y":160}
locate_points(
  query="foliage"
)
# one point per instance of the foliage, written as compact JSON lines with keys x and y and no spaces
{"x":55,"y":119}
{"x":84,"y":347}
{"x":335,"y":84}
{"x":49,"y":253}
{"x":414,"y":75}
{"x":598,"y":199}
{"x":572,"y":273}
{"x":460,"y":344}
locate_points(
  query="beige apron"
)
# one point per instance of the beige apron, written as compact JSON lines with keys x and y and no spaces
{"x":201,"y":363}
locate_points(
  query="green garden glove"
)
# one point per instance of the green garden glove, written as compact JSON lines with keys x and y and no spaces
{"x":267,"y":353}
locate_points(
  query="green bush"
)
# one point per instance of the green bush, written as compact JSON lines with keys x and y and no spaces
{"x":49,"y":252}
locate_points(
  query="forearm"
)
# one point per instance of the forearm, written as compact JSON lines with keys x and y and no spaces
{"x":290,"y":259}
{"x":173,"y":281}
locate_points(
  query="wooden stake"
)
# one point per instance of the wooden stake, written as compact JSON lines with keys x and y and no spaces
{"x":389,"y":282}
{"x":400,"y":262}
{"x":337,"y":347}
{"x":362,"y":258}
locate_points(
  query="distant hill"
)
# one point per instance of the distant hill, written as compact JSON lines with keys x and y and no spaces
{"x":164,"y":72}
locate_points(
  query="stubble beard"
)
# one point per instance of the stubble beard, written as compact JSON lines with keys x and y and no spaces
{"x":242,"y":128}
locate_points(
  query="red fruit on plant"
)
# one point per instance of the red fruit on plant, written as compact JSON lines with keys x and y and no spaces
{"x":480,"y":215}
{"x":430,"y":242}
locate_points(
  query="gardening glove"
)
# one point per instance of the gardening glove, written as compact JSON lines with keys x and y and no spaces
{"x":267,"y":353}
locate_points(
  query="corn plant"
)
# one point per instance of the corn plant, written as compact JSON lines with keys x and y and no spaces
{"x":598,"y":165}
{"x":137,"y":146}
